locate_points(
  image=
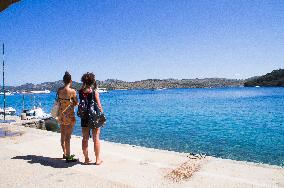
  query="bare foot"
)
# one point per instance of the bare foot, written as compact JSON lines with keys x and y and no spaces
{"x":87,"y":161}
{"x":98,"y":162}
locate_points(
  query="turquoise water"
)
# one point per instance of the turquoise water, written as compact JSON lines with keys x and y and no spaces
{"x":235,"y":123}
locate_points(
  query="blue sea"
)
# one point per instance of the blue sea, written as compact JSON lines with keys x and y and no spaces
{"x":234,"y":123}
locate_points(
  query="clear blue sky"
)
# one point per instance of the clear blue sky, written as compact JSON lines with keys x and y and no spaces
{"x":134,"y":40}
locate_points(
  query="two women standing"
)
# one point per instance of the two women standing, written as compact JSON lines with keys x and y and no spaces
{"x":67,"y":99}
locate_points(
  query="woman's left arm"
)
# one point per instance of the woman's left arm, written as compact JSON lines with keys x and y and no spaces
{"x":97,"y":96}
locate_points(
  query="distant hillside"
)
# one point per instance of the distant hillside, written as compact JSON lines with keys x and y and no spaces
{"x":111,"y":84}
{"x":52,"y":86}
{"x":275,"y":78}
{"x":171,"y":83}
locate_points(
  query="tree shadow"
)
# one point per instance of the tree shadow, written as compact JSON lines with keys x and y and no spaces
{"x":47,"y":161}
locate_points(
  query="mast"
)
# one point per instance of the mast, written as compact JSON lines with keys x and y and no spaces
{"x":4,"y":83}
{"x":23,"y":101}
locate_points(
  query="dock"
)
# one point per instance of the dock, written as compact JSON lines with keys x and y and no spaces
{"x":32,"y":158}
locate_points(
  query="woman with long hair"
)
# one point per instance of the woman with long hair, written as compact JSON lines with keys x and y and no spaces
{"x":67,"y":101}
{"x":88,"y":93}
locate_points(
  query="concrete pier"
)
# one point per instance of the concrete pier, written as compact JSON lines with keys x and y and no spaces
{"x":32,"y":123}
{"x":34,"y":159}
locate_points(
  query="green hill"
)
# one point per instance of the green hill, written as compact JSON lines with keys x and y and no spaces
{"x":273,"y":79}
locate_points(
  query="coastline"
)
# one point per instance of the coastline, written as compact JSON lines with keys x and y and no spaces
{"x":31,"y":158}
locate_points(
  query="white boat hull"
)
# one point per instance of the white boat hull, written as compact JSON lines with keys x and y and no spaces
{"x":41,"y":92}
{"x":8,"y":111}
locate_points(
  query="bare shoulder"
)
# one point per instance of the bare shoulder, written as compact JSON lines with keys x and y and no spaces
{"x":97,"y":93}
{"x":73,"y":92}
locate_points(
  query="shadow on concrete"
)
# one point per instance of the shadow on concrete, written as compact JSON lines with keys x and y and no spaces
{"x":47,"y":161}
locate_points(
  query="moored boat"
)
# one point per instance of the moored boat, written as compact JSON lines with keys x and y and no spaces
{"x":41,"y":92}
{"x":102,"y":90}
{"x":37,"y":113}
{"x":8,"y":111}
{"x":7,"y":93}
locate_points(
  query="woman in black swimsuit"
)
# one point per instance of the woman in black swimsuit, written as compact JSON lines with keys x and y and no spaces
{"x":86,"y":93}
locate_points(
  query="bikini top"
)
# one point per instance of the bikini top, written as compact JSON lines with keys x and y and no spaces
{"x":59,"y":99}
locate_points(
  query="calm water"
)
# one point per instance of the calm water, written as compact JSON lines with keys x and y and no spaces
{"x":236,"y":123}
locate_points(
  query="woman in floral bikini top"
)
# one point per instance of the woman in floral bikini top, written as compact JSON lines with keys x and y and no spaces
{"x":67,"y":101}
{"x":66,"y":111}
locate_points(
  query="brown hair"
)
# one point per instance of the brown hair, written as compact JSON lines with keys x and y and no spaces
{"x":67,"y":78}
{"x":88,"y":79}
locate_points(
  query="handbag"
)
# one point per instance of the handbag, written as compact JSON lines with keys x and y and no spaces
{"x":96,"y":117}
{"x":101,"y":118}
{"x":55,"y":108}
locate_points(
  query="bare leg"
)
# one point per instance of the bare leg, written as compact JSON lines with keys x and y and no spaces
{"x":85,"y":133}
{"x":69,"y":130}
{"x":62,"y":139}
{"x":97,"y":145}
